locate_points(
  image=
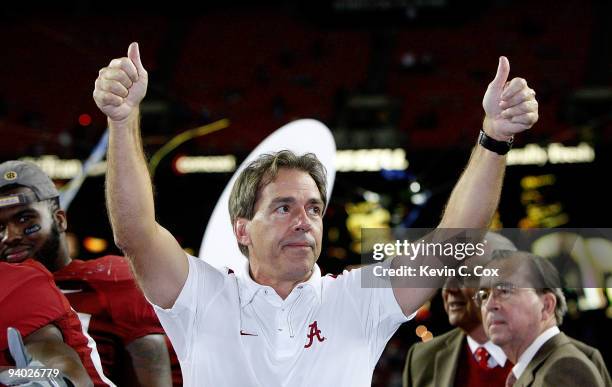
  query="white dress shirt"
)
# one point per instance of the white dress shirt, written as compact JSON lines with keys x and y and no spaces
{"x":530,"y":352}
{"x":497,"y":358}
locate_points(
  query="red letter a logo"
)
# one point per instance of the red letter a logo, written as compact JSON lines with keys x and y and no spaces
{"x":314,"y":332}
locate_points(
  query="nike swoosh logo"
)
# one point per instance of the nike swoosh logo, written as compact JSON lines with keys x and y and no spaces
{"x":243,"y":333}
{"x":68,"y":291}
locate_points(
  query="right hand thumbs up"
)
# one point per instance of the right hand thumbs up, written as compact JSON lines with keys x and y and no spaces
{"x":121,"y":86}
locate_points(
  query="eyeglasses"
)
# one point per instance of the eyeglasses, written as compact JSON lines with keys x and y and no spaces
{"x":501,"y":292}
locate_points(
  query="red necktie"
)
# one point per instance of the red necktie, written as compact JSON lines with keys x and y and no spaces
{"x":510,"y":380}
{"x":482,"y":357}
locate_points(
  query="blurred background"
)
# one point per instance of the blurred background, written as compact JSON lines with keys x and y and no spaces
{"x":398,"y":82}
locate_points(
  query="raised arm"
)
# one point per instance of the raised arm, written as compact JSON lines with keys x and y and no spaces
{"x":159,"y":263}
{"x":510,"y":108}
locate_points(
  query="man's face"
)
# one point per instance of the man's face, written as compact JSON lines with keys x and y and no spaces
{"x":514,"y":318}
{"x":461,"y":309}
{"x":284,"y":236}
{"x":457,"y":295}
{"x":28,"y":231}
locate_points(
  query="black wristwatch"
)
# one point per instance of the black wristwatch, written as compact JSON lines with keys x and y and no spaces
{"x":499,"y":147}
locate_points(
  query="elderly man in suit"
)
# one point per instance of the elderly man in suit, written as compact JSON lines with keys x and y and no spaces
{"x":522,"y":307}
{"x":464,"y":356}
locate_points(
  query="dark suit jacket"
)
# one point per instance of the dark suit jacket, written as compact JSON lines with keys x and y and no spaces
{"x":595,"y":356}
{"x":434,"y":364}
{"x":560,"y":363}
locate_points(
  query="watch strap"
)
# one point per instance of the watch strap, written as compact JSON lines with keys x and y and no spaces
{"x":499,"y":147}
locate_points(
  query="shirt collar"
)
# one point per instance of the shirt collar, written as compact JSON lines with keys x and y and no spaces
{"x":530,"y":352}
{"x":495,"y":351}
{"x":248,"y":288}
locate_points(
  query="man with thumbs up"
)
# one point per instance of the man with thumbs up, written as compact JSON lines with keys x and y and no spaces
{"x":281,"y":323}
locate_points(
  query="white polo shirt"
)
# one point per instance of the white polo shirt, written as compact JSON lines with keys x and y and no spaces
{"x":227,"y":330}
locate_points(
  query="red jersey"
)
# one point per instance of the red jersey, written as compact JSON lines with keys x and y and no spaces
{"x":29,"y":300}
{"x":112,"y":307}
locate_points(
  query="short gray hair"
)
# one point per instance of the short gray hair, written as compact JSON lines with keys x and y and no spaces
{"x":261,"y":172}
{"x":543,"y":276}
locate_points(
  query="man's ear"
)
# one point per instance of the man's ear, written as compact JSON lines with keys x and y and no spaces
{"x":61,"y":220}
{"x":549,"y":304}
{"x":241,"y":231}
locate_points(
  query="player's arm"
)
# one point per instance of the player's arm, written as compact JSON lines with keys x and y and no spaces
{"x":151,"y":362}
{"x":510,"y":108}
{"x":159,"y":262}
{"x":47,"y":346}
